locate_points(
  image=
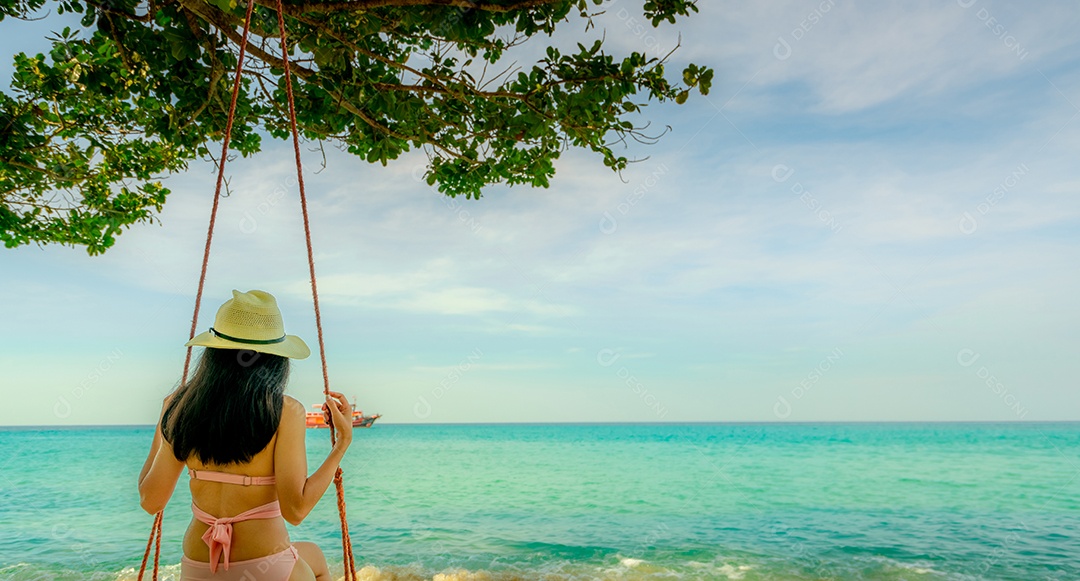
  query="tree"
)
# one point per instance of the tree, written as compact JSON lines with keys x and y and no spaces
{"x":89,"y":130}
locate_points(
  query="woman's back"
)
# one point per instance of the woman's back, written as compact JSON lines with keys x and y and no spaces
{"x":253,"y":538}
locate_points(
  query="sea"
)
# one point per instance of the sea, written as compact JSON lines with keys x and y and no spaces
{"x":880,"y":501}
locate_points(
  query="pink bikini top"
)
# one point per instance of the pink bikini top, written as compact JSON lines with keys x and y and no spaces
{"x":219,"y":536}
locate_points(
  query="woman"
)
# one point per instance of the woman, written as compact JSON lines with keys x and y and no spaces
{"x":242,"y":442}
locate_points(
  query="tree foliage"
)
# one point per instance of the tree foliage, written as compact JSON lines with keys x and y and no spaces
{"x":142,"y":88}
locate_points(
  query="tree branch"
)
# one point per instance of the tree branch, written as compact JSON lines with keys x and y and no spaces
{"x":363,"y":5}
{"x":372,"y":55}
{"x":220,"y":20}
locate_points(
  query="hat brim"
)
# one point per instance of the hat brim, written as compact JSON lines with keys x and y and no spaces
{"x":292,"y":347}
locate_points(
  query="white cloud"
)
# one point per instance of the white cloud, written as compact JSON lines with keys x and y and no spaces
{"x":850,"y":56}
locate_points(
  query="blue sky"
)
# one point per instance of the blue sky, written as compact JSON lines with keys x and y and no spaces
{"x":874,"y":216}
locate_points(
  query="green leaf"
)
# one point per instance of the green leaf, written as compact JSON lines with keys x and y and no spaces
{"x":89,"y":131}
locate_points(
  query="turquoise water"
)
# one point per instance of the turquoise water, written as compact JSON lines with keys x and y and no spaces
{"x":620,"y":502}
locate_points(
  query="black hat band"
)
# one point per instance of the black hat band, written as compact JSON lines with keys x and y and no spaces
{"x":247,"y":341}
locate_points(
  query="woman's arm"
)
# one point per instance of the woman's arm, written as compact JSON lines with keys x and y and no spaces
{"x":298,"y":493}
{"x":153,"y":452}
{"x":159,"y":474}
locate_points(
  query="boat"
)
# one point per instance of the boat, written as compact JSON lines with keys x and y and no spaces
{"x":317,"y":419}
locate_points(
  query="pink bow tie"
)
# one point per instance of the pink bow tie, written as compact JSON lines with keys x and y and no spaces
{"x":219,"y":539}
{"x":219,"y":536}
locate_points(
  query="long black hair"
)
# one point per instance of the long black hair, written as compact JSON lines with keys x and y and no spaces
{"x":230,"y":409}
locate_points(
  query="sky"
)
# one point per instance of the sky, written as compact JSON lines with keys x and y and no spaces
{"x":873,"y":216}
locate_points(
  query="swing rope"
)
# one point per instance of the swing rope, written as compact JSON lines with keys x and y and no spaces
{"x":346,"y":541}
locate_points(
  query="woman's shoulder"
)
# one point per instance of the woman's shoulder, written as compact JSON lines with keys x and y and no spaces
{"x":293,"y":419}
{"x":293,"y":408}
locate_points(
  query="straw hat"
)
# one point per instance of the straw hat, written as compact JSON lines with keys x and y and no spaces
{"x":251,"y":321}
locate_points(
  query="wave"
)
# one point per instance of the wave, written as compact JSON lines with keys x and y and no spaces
{"x":623,"y":569}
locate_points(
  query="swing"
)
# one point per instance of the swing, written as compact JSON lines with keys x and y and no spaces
{"x":155,"y":531}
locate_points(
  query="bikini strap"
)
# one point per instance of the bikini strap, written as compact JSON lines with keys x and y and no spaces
{"x":227,"y":478}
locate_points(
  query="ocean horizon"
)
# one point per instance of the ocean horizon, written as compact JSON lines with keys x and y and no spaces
{"x":601,"y":501}
{"x":619,"y":423}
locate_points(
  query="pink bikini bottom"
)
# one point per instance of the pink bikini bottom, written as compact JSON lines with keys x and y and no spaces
{"x":276,"y":567}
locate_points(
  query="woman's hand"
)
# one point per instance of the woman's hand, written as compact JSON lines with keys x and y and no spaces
{"x":341,"y":412}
